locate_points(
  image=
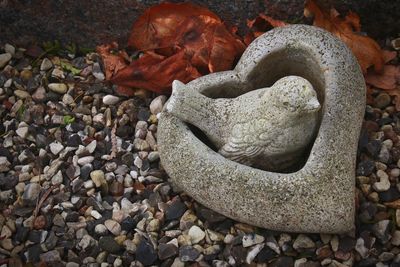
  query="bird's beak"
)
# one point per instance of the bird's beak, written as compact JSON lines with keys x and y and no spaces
{"x":313,"y":105}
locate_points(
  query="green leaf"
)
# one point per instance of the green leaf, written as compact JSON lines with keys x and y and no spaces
{"x":68,"y":119}
{"x":68,"y":67}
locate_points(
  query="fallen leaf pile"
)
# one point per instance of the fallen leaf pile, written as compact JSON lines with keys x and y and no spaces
{"x":179,"y":41}
{"x":185,"y":41}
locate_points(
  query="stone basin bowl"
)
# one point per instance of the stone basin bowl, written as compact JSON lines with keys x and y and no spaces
{"x":316,"y":197}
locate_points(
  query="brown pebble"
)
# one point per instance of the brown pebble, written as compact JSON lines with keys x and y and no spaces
{"x":25,"y":75}
{"x":116,"y":189}
{"x":382,"y":100}
{"x":324,"y":252}
{"x":87,"y":99}
{"x":341,"y":255}
{"x":39,"y":223}
{"x":371,"y":126}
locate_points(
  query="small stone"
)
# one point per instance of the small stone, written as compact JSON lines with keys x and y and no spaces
{"x":175,"y":210}
{"x":303,"y":242}
{"x":196,"y":234}
{"x":95,"y":214}
{"x":4,"y":164}
{"x":9,"y":49}
{"x":157,"y":104}
{"x":97,"y":72}
{"x":22,"y":94}
{"x":59,"y":88}
{"x":382,"y":100}
{"x":22,"y":132}
{"x":68,"y":99}
{"x":145,"y":253}
{"x":57,"y":178}
{"x":166,"y":251}
{"x":113,"y":226}
{"x":110,"y":100}
{"x":108,"y":244}
{"x":85,"y":160}
{"x":100,"y":229}
{"x":116,"y":189}
{"x":87,"y":242}
{"x":50,"y":256}
{"x":56,"y":147}
{"x":252,"y":239}
{"x":396,"y":238}
{"x":381,"y":230}
{"x":253,"y":252}
{"x":31,"y":193}
{"x":188,"y":253}
{"x":4,"y":58}
{"x":46,"y":64}
{"x":98,"y":177}
{"x":39,"y":95}
{"x":384,"y":183}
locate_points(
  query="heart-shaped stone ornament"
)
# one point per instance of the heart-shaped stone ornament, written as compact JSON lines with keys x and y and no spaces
{"x":316,"y":197}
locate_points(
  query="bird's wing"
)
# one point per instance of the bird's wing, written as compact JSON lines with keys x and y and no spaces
{"x":251,"y":139}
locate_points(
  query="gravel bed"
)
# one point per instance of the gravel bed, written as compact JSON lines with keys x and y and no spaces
{"x":81,"y":183}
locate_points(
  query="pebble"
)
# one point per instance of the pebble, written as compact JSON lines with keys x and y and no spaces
{"x":382,"y":100}
{"x":9,"y":49}
{"x":4,"y":58}
{"x":188,"y":253}
{"x":59,"y":88}
{"x":145,"y":253}
{"x":4,"y":164}
{"x":113,"y":226}
{"x":110,"y":100}
{"x":384,"y":183}
{"x":303,"y":242}
{"x":381,"y":230}
{"x":108,"y":244}
{"x":85,"y":160}
{"x":157,"y":104}
{"x":46,"y":64}
{"x":56,"y":147}
{"x":31,"y":193}
{"x":196,"y":234}
{"x":98,"y":177}
{"x":100,"y":229}
{"x":166,"y":251}
{"x":22,"y":132}
{"x":252,"y":239}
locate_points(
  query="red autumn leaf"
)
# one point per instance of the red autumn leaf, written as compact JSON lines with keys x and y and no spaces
{"x":156,"y":73}
{"x":260,"y":25}
{"x":180,"y":42}
{"x":396,"y":94}
{"x":113,"y":63}
{"x":389,"y":79}
{"x":366,"y":50}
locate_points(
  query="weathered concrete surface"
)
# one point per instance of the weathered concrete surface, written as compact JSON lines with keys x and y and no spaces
{"x":91,"y":22}
{"x":318,"y":197}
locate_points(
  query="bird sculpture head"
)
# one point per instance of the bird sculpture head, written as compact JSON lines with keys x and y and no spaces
{"x":295,"y":94}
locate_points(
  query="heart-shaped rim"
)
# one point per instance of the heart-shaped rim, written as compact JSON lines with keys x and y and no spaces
{"x":317,"y":198}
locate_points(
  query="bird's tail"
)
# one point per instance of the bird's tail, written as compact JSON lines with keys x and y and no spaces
{"x":188,"y":104}
{"x":195,"y":108}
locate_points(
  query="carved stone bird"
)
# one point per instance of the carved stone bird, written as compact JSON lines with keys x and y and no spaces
{"x":267,"y":128}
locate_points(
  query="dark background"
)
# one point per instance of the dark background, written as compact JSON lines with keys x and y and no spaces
{"x":91,"y":22}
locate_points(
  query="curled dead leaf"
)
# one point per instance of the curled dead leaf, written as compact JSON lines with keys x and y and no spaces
{"x":366,"y":50}
{"x":156,"y":73}
{"x":260,"y":25}
{"x":113,"y":60}
{"x":389,"y":79}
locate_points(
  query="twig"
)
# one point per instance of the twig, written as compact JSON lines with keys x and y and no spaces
{"x":42,"y":200}
{"x":114,"y":148}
